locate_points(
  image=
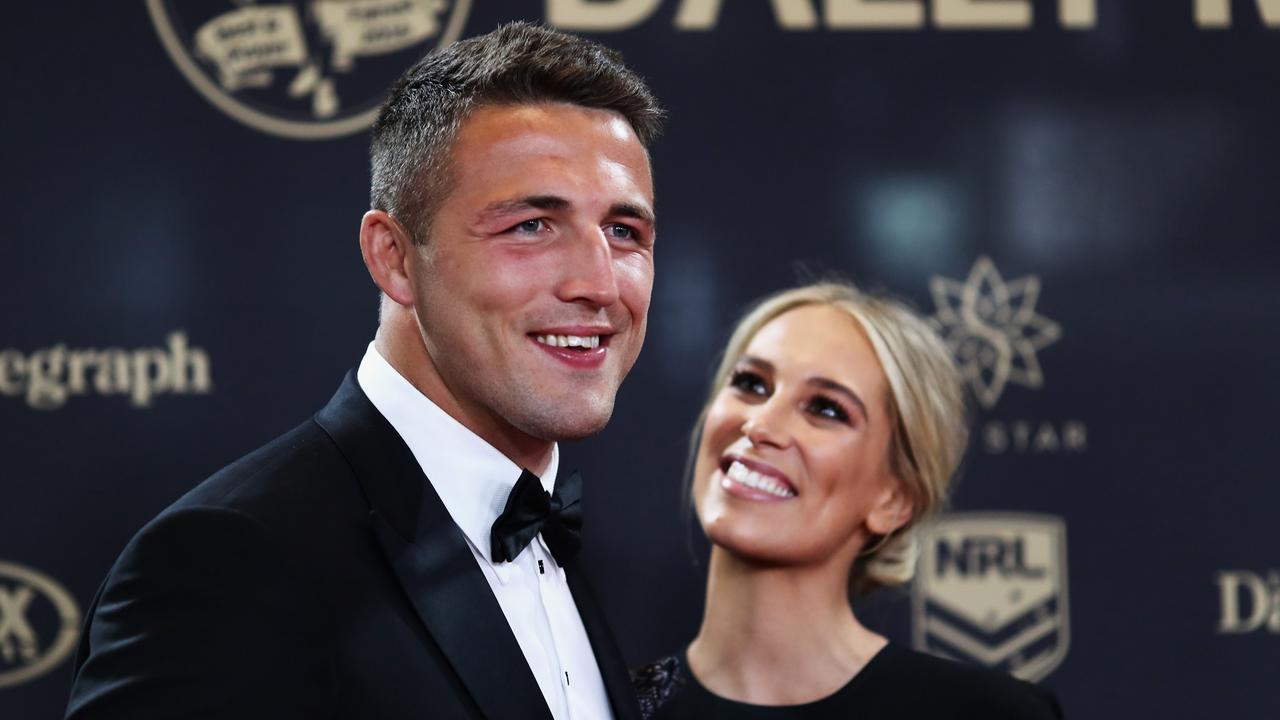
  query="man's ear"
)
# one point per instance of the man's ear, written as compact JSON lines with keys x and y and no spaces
{"x":892,"y":510}
{"x":386,"y":248}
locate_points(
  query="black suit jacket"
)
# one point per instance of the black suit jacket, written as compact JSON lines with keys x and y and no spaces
{"x":318,"y":577}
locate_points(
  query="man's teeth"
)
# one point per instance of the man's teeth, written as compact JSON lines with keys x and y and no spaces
{"x":742,"y":475}
{"x":583,"y":341}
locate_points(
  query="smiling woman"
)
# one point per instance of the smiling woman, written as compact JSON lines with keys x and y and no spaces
{"x":834,"y":426}
{"x":842,"y":360}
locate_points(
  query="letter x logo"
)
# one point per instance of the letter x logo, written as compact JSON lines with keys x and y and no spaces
{"x":14,"y":625}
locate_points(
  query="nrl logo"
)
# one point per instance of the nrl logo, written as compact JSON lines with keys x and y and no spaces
{"x":304,"y":70}
{"x":993,"y":329}
{"x":991,"y":589}
{"x":39,"y":624}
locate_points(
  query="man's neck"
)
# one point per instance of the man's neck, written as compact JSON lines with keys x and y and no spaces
{"x":404,"y":351}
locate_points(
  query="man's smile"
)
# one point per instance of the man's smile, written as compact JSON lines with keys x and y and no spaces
{"x":581,"y":348}
{"x":587,"y":342}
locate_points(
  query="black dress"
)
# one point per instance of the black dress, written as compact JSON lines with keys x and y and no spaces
{"x":897,"y":683}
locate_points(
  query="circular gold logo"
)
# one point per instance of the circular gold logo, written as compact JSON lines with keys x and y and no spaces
{"x":39,"y":624}
{"x":309,"y":70}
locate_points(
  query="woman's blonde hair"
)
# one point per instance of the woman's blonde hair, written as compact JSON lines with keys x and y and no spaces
{"x":926,"y":404}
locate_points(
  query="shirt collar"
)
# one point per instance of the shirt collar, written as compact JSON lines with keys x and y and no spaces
{"x":472,"y":478}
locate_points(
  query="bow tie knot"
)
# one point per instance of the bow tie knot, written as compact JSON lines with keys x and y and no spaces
{"x":531,"y":510}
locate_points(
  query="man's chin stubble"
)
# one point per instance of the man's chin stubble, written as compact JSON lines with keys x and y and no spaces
{"x":559,"y":427}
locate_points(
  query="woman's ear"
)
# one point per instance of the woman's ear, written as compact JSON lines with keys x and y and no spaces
{"x":386,"y":247}
{"x":892,"y":510}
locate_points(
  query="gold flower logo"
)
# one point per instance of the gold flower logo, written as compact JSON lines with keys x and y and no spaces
{"x":993,"y":329}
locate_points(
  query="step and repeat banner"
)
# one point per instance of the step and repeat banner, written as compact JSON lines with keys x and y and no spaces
{"x":1084,"y":195}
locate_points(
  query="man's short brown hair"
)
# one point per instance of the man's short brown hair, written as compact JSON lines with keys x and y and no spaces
{"x":518,"y":63}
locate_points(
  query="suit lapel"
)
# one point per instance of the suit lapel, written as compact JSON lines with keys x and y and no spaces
{"x":456,"y":604}
{"x":617,"y":681}
{"x":432,"y":560}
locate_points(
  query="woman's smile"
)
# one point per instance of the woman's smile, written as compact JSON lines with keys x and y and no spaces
{"x":801,"y":424}
{"x":754,"y":480}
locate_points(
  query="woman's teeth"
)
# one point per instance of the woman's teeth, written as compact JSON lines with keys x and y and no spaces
{"x":587,"y":342}
{"x":740,"y":474}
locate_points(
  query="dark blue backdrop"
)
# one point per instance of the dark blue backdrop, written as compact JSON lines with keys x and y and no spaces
{"x":1116,"y":183}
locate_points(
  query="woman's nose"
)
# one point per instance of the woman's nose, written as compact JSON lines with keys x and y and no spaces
{"x":767,"y":425}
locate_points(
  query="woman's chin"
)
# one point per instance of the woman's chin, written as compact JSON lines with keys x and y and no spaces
{"x":750,"y":544}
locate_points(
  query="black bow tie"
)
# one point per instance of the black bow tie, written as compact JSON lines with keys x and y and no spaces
{"x":531,"y":510}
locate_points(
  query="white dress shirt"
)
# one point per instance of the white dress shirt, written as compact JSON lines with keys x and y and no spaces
{"x":473,"y":480}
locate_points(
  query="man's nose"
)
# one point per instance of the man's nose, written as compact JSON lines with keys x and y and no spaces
{"x":588,"y":274}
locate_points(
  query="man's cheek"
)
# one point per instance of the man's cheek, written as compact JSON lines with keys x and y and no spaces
{"x":635,"y":283}
{"x":498,"y":288}
{"x":510,"y":278}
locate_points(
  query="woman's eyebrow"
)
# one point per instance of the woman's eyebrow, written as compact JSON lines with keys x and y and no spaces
{"x":836,"y":387}
{"x":816,"y":381}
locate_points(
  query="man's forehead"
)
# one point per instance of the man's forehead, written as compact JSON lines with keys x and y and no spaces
{"x":548,"y":119}
{"x":509,"y":153}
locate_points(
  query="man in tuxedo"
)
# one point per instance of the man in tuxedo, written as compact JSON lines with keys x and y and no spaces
{"x":409,"y":551}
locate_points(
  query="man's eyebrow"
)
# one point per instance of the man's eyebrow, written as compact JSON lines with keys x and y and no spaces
{"x":631,"y":210}
{"x":520,"y":204}
{"x":555,"y":202}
